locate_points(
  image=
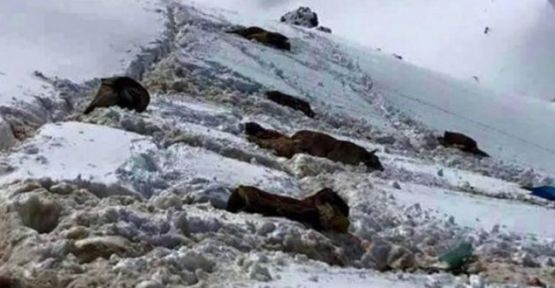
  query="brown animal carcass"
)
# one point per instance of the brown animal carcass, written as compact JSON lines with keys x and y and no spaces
{"x":312,"y":143}
{"x":291,"y":101}
{"x":462,"y":142}
{"x":272,"y":39}
{"x":322,"y":145}
{"x":323,"y":211}
{"x":282,"y":145}
{"x":124,"y":92}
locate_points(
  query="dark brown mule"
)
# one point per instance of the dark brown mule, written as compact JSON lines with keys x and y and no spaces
{"x":124,"y":92}
{"x":324,"y":210}
{"x":462,"y":142}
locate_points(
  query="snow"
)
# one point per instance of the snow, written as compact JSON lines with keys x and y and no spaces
{"x":480,"y":212}
{"x":76,"y":40}
{"x":515,"y":58}
{"x":335,"y":278}
{"x":512,"y":128}
{"x":181,"y":158}
{"x":509,"y":128}
{"x":196,"y":163}
{"x":72,"y":150}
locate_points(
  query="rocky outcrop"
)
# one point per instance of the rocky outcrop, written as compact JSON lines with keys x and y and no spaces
{"x":291,"y":102}
{"x":303,"y":16}
{"x":313,"y":143}
{"x":124,"y":92}
{"x":461,"y":142}
{"x":324,"y":210}
{"x":271,"y":39}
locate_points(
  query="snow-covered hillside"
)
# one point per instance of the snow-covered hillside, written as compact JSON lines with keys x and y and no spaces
{"x":515,"y":57}
{"x":124,"y":199}
{"x":72,"y":40}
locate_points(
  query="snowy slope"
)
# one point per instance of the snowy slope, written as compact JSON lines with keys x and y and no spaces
{"x":511,"y":128}
{"x":77,"y":40}
{"x":149,"y":188}
{"x":516,"y":58}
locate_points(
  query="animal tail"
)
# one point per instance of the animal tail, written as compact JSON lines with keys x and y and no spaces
{"x":482,"y":153}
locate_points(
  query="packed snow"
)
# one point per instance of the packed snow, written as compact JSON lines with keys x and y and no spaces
{"x":125,"y":199}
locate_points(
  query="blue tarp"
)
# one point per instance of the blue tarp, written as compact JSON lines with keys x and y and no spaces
{"x":546,"y":192}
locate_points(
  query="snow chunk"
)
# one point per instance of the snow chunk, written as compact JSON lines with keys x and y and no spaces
{"x":39,"y":214}
{"x":74,"y":151}
{"x":7,"y":139}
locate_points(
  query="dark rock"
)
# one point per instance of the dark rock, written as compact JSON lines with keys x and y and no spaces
{"x":272,"y":39}
{"x":324,"y":29}
{"x":303,"y":16}
{"x":324,"y":211}
{"x":291,"y":102}
{"x":313,"y":143}
{"x":398,"y":56}
{"x":462,"y":142}
{"x":124,"y":92}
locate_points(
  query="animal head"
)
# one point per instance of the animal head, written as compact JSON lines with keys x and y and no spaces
{"x":372,"y":161}
{"x":253,"y":129}
{"x":108,"y":81}
{"x":329,"y":196}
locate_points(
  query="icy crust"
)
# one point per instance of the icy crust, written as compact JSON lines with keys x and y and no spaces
{"x":121,"y":199}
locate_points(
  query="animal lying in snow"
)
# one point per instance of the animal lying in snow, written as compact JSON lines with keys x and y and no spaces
{"x":124,"y":92}
{"x":272,"y":39}
{"x":312,"y":143}
{"x":462,"y":142}
{"x":291,"y":101}
{"x":323,"y":211}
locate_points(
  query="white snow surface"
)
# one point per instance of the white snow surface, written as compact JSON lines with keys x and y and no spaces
{"x":77,"y":40}
{"x":515,"y":58}
{"x":181,"y":157}
{"x":72,"y":150}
